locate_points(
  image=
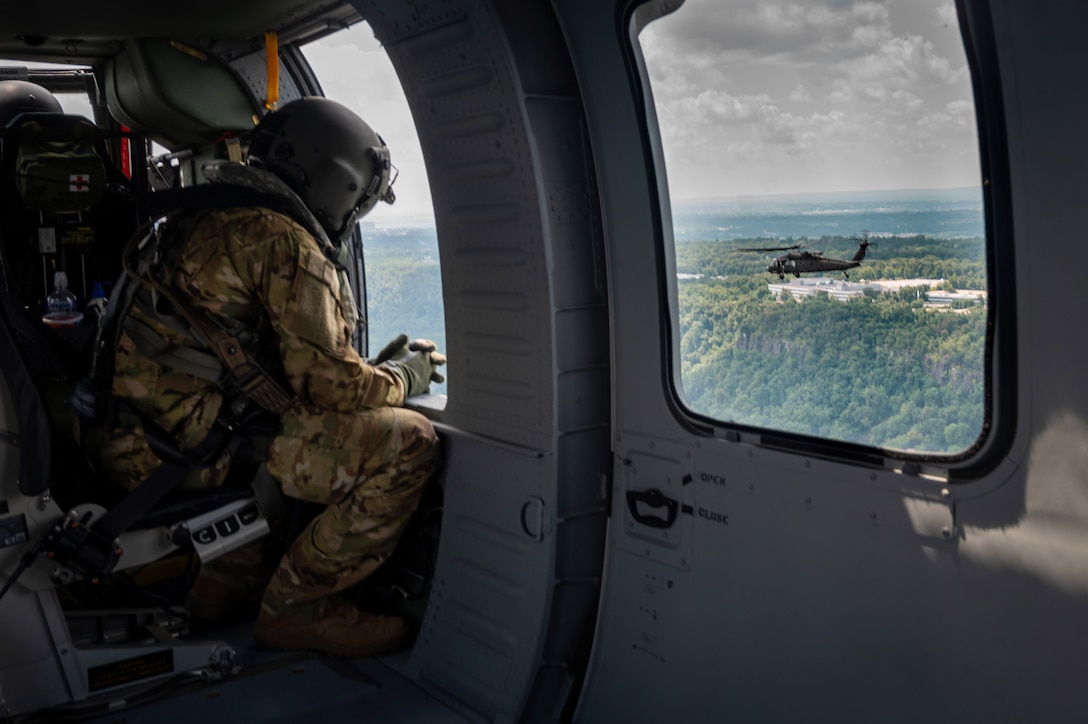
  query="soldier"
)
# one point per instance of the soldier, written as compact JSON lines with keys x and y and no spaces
{"x":345,"y":440}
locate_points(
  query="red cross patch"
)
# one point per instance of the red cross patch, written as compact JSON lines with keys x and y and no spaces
{"x":79,"y":182}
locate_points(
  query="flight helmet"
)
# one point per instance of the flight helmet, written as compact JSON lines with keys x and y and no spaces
{"x":329,"y":156}
{"x":20,"y":96}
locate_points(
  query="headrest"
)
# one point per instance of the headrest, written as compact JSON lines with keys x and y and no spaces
{"x":177,"y":95}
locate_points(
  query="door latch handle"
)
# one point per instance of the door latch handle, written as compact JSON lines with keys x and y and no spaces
{"x":662,"y":509}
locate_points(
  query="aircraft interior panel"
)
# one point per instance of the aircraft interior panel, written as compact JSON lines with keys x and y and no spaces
{"x":607,"y":554}
{"x":526,"y":320}
{"x":829,"y":590}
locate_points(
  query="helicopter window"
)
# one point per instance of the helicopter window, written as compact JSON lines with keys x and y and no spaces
{"x":403,"y":279}
{"x":828,"y":219}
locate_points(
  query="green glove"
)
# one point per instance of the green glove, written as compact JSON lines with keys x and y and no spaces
{"x":416,"y":364}
{"x":389,"y":350}
{"x":430,"y":351}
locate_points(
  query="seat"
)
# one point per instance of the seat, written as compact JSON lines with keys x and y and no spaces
{"x":64,"y":207}
{"x":51,"y":505}
{"x":48,"y":659}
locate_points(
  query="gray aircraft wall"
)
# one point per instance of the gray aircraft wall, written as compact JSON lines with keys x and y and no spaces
{"x":526,"y":425}
{"x":801,"y":588}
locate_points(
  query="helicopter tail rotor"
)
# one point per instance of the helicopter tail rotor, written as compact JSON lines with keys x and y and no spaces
{"x":863,"y":245}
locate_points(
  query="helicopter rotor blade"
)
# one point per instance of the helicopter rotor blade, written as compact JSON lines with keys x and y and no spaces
{"x":776,"y":248}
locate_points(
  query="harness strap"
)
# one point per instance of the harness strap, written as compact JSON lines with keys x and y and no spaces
{"x":243,"y":371}
{"x":176,"y":465}
{"x":184,"y":359}
{"x":149,"y":303}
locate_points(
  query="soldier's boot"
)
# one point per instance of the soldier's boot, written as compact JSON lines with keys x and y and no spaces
{"x":338,"y":629}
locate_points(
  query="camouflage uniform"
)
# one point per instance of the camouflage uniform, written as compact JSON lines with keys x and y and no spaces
{"x":346,"y":443}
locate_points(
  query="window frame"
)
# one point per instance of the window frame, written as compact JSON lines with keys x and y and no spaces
{"x":1000,"y":368}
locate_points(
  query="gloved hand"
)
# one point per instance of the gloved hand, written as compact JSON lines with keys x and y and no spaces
{"x":416,"y":364}
{"x":389,"y":350}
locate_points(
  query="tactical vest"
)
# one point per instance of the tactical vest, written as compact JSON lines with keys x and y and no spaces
{"x":241,"y":361}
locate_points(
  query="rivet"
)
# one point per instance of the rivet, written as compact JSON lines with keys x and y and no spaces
{"x":946,"y":532}
{"x":946,"y":493}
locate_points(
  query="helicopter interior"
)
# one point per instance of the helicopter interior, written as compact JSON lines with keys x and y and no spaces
{"x":605,"y":552}
{"x":188,"y":96}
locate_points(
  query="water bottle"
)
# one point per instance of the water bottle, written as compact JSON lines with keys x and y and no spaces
{"x":61,"y":304}
{"x":61,"y":298}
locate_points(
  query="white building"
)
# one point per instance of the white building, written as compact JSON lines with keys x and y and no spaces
{"x":843,"y":289}
{"x":840,"y":289}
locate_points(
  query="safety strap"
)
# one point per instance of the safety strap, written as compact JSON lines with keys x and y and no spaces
{"x":92,"y":399}
{"x":35,"y":470}
{"x":243,"y":373}
{"x":176,"y":465}
{"x":183,"y":359}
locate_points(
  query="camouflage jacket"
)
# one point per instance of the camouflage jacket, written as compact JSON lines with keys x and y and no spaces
{"x":258,"y":266}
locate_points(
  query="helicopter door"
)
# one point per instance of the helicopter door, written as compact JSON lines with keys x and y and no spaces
{"x":755,"y":574}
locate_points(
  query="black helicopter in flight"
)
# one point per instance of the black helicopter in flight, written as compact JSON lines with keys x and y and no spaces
{"x":799,"y":262}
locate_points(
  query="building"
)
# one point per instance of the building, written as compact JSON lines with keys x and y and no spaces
{"x":843,"y":289}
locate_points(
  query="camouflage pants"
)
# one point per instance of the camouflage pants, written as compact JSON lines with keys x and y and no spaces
{"x":369,"y":469}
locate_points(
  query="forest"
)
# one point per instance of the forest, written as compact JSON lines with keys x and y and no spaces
{"x":404,"y":288}
{"x":883,"y":370}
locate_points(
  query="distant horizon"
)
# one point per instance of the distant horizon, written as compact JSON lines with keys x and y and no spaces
{"x":684,"y":208}
{"x":838,"y":195}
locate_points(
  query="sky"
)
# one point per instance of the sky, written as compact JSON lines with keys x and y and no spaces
{"x":753,"y":97}
{"x":354,"y":69}
{"x":761,"y":97}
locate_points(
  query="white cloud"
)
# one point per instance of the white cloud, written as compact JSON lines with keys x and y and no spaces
{"x":901,"y":62}
{"x":355,"y":70}
{"x":799,"y":30}
{"x":753,"y":96}
{"x":946,"y":14}
{"x":718,"y":107}
{"x":760,"y":96}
